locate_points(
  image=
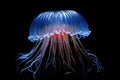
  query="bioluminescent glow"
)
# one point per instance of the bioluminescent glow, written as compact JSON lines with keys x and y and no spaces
{"x":57,"y":34}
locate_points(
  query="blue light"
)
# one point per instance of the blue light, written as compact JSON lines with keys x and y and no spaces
{"x":47,"y":23}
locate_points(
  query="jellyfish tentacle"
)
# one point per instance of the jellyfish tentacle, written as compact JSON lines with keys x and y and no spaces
{"x":49,"y":55}
{"x":95,"y":62}
{"x":79,"y":52}
{"x":29,"y":55}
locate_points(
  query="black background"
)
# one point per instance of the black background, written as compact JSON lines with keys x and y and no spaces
{"x":93,"y":12}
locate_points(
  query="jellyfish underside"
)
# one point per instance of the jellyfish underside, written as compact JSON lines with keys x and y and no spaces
{"x":57,"y":37}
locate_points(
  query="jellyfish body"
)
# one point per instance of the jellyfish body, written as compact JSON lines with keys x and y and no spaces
{"x":47,"y":24}
{"x":52,"y":32}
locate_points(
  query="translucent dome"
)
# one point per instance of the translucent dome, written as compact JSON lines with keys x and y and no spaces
{"x":48,"y":23}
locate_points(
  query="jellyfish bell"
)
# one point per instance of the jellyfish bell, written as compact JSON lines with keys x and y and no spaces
{"x":52,"y":31}
{"x":47,"y":24}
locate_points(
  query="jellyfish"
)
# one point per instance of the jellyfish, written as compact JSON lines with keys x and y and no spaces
{"x":57,"y":35}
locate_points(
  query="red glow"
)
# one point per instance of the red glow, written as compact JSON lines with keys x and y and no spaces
{"x":60,"y":35}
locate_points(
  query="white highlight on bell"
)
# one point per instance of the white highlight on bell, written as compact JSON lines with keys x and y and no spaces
{"x":37,"y":37}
